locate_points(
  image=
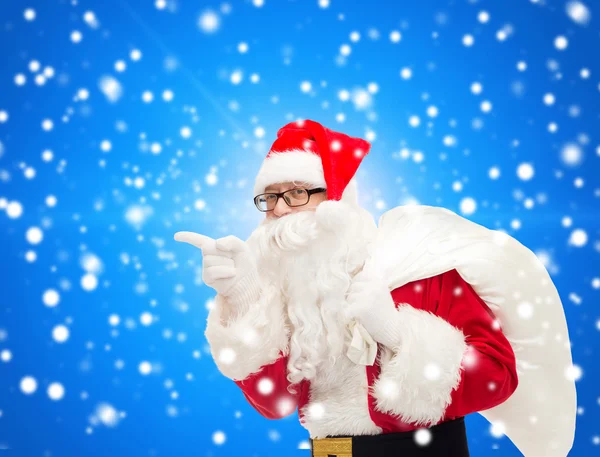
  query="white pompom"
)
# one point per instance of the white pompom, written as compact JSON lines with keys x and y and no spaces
{"x":334,"y":215}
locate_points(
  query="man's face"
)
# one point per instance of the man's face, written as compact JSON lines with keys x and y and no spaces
{"x":282,"y":208}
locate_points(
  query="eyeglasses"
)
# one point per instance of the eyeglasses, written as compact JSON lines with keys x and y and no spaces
{"x":292,"y":197}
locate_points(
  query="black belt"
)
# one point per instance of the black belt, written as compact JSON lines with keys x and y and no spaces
{"x":448,"y":439}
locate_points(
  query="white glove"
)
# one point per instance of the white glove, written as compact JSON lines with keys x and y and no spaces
{"x":228,"y":266}
{"x":370,"y":303}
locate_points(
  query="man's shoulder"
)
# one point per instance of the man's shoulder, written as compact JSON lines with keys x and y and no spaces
{"x":421,"y":292}
{"x":435,"y":280}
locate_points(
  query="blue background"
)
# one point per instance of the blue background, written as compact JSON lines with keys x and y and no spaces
{"x":203,"y":182}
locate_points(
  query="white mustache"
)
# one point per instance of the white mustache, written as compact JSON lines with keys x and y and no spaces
{"x":290,"y":232}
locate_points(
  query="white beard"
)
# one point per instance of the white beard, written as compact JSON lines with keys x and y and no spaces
{"x":311,"y":256}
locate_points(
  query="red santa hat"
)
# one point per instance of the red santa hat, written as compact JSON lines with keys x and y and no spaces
{"x":308,"y":152}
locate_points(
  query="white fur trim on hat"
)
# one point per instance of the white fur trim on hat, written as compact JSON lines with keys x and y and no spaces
{"x":298,"y":166}
{"x":294,"y":165}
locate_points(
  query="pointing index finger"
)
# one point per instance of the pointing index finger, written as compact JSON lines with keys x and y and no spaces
{"x":195,"y":239}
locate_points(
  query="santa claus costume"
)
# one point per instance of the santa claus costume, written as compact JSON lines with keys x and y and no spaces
{"x":385,"y":336}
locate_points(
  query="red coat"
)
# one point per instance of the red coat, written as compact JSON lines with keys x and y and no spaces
{"x":481,"y":385}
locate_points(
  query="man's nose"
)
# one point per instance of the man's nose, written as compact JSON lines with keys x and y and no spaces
{"x":281,"y":208}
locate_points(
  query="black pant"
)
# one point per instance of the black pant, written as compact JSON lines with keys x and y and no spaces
{"x":448,"y":439}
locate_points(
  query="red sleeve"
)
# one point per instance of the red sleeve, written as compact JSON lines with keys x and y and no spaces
{"x":489,"y":374}
{"x":267,"y":390}
{"x":451,"y":357}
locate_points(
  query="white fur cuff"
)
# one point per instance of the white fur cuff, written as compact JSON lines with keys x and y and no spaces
{"x":256,"y":337}
{"x":418,"y":376}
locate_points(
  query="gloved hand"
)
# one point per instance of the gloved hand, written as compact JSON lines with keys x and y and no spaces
{"x":228,"y":266}
{"x":370,"y":303}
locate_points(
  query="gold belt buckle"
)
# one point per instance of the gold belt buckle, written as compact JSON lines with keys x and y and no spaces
{"x":327,"y":447}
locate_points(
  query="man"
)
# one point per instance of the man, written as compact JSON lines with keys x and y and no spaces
{"x":369,"y":331}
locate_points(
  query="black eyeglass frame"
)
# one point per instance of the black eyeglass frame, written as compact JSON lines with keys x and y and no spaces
{"x":280,"y":195}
